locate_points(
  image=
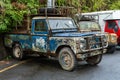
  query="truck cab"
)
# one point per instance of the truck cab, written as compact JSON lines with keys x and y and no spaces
{"x":113,"y":26}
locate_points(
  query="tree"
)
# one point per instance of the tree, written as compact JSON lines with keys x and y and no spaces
{"x":12,"y":12}
{"x":115,"y":5}
{"x":94,"y":5}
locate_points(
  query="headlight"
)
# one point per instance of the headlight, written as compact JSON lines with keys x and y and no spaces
{"x":83,"y":44}
{"x":113,"y":38}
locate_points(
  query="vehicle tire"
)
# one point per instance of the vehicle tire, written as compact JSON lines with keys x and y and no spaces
{"x":67,"y":59}
{"x":94,"y":60}
{"x":18,"y":52}
{"x":111,"y":49}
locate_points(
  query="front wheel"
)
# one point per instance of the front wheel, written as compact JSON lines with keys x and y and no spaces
{"x":17,"y":52}
{"x":67,"y":59}
{"x":94,"y":60}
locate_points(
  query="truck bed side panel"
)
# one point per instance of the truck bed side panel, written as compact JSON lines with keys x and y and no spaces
{"x":22,"y":39}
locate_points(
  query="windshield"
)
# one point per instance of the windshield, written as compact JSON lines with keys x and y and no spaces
{"x":61,"y":24}
{"x":88,"y":25}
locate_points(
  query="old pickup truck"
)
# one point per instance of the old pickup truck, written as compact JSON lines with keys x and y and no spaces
{"x":57,"y":37}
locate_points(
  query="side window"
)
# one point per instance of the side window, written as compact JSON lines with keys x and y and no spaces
{"x":40,"y":26}
{"x":111,"y":24}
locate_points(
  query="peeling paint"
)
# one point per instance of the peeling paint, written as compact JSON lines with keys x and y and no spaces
{"x":40,"y":42}
{"x":55,"y":42}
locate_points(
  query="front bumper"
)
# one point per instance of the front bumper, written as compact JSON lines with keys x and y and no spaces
{"x":90,"y":54}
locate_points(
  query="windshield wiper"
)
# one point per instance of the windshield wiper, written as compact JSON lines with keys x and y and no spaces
{"x":67,"y":25}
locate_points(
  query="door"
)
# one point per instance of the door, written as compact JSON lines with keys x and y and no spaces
{"x":39,"y":35}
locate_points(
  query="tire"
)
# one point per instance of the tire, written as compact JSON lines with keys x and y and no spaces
{"x":67,"y":59}
{"x":111,"y":49}
{"x":18,"y":52}
{"x":94,"y":60}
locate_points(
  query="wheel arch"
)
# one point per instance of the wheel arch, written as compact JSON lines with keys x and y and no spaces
{"x":60,"y":47}
{"x":16,"y":42}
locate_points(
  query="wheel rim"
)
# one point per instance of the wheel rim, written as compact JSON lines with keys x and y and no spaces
{"x":65,"y":59}
{"x":17,"y":52}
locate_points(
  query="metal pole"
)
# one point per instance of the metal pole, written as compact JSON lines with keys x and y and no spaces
{"x":50,"y":3}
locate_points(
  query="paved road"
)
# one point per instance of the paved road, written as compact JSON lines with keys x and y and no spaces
{"x":44,"y":69}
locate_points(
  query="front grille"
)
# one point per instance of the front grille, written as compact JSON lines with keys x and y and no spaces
{"x":95,"y":42}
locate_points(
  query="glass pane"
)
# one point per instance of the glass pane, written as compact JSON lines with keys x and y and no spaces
{"x":40,"y":26}
{"x":111,"y":24}
{"x":59,"y":24}
{"x":87,"y":25}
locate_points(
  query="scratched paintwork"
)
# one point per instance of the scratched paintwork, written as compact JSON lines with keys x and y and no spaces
{"x":8,"y":42}
{"x":24,"y":40}
{"x":55,"y":42}
{"x":39,"y":44}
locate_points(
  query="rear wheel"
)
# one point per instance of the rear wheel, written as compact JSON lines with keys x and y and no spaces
{"x":111,"y":49}
{"x":18,"y":52}
{"x":67,"y":59}
{"x":94,"y":60}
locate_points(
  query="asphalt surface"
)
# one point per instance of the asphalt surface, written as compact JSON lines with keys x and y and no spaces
{"x":48,"y":69}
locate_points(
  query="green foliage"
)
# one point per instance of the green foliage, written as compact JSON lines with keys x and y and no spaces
{"x":94,"y":5}
{"x":115,"y":5}
{"x":13,"y":15}
{"x":60,"y":3}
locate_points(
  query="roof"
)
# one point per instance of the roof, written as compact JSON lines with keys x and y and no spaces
{"x":101,"y":12}
{"x":51,"y":17}
{"x":104,"y":15}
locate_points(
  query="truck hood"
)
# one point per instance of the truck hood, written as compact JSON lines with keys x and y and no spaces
{"x":75,"y":34}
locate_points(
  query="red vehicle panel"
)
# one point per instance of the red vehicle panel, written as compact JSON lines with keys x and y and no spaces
{"x":113,"y":26}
